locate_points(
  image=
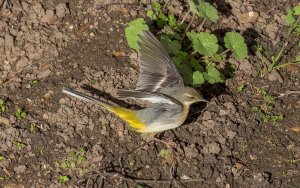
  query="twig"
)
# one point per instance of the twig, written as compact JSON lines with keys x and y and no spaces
{"x":123,"y":171}
{"x":188,"y":27}
{"x":185,"y":16}
{"x":199,"y":28}
{"x":106,"y":174}
{"x":288,"y":93}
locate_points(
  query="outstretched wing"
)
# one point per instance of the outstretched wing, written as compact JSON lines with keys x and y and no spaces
{"x":156,"y":67}
{"x":151,"y":97}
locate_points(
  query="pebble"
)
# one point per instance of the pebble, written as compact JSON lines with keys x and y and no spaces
{"x":231,"y":134}
{"x":44,"y":74}
{"x":61,"y":10}
{"x":4,"y":121}
{"x":20,"y":169}
{"x":8,"y":41}
{"x":212,"y":148}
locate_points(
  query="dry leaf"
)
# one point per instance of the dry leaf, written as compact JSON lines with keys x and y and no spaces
{"x":296,"y":129}
{"x":118,"y":53}
{"x":293,"y":68}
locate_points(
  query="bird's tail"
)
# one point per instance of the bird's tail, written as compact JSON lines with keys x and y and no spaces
{"x":88,"y":98}
{"x":130,"y":116}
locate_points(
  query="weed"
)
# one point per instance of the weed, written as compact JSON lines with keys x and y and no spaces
{"x":19,"y":144}
{"x":63,"y":179}
{"x":265,"y":108}
{"x":20,"y":114}
{"x":32,"y":128}
{"x":243,"y":148}
{"x":163,"y":153}
{"x":240,"y":88}
{"x":291,"y":19}
{"x":33,"y":82}
{"x":132,"y":162}
{"x":198,"y":62}
{"x":74,"y":158}
{"x":291,"y":161}
{"x":3,"y":106}
{"x":2,"y":158}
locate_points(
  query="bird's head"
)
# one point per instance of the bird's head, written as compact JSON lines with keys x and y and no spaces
{"x":188,"y":96}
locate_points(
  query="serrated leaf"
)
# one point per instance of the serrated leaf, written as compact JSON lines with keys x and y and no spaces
{"x":151,"y":14}
{"x":156,"y":6}
{"x":296,"y":10}
{"x":186,"y":72}
{"x":198,"y":78}
{"x":194,"y":63}
{"x":204,"y":43}
{"x":207,"y":11}
{"x":213,"y":75}
{"x":193,"y":6}
{"x":132,"y":31}
{"x":289,"y":18}
{"x":172,"y":21}
{"x":236,"y":43}
{"x":171,"y":46}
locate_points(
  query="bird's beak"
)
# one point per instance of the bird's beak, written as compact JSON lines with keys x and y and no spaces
{"x":203,"y":100}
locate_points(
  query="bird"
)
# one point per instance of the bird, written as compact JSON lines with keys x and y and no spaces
{"x":160,"y":84}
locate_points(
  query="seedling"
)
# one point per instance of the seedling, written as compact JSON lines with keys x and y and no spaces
{"x":240,"y":88}
{"x":74,"y":158}
{"x":32,"y":128}
{"x":19,"y":144}
{"x":2,"y":158}
{"x":20,"y":114}
{"x":265,"y":108}
{"x":33,"y":82}
{"x":132,"y":162}
{"x":163,"y":153}
{"x":3,"y":106}
{"x":243,"y":148}
{"x":198,"y":62}
{"x":63,"y":179}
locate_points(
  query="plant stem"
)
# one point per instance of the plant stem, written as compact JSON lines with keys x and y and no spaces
{"x":188,"y":27}
{"x":224,"y":52}
{"x":199,"y":28}
{"x":185,"y":16}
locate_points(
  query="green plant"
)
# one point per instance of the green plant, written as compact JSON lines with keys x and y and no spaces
{"x":2,"y":158}
{"x":265,"y":108}
{"x":163,"y":153}
{"x":74,"y":158}
{"x":63,"y":179}
{"x":33,"y":82}
{"x":32,"y":128}
{"x":19,"y":144}
{"x":197,"y":62}
{"x":20,"y":114}
{"x":294,"y":29}
{"x":132,"y":162}
{"x":3,"y":106}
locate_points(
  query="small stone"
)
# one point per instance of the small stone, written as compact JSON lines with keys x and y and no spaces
{"x":8,"y":41}
{"x":44,"y":74}
{"x":22,"y":63}
{"x":253,"y":157}
{"x":49,"y":17}
{"x":206,"y":115}
{"x":212,"y":148}
{"x":20,"y":169}
{"x":133,"y":13}
{"x":62,"y":101}
{"x":61,"y":10}
{"x":45,"y":116}
{"x":248,"y":17}
{"x":4,"y":121}
{"x":231,"y":134}
{"x":210,"y":124}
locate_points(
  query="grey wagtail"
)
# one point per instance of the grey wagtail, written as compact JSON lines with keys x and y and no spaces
{"x":160,"y":84}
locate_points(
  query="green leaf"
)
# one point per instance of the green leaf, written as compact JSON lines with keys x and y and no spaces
{"x":213,"y":75}
{"x":151,"y":14}
{"x":156,"y":6}
{"x":172,"y":46}
{"x":296,"y":10}
{"x":207,"y":11}
{"x":198,"y":78}
{"x":204,"y":43}
{"x":194,"y":63}
{"x":186,"y":72}
{"x":172,"y":21}
{"x":289,"y":18}
{"x":134,"y":28}
{"x":236,"y":43}
{"x":193,"y":6}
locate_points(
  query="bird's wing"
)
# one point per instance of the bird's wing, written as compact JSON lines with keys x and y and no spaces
{"x":151,"y":97}
{"x":156,"y":67}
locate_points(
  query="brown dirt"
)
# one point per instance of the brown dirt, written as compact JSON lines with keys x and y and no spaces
{"x":71,"y":44}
